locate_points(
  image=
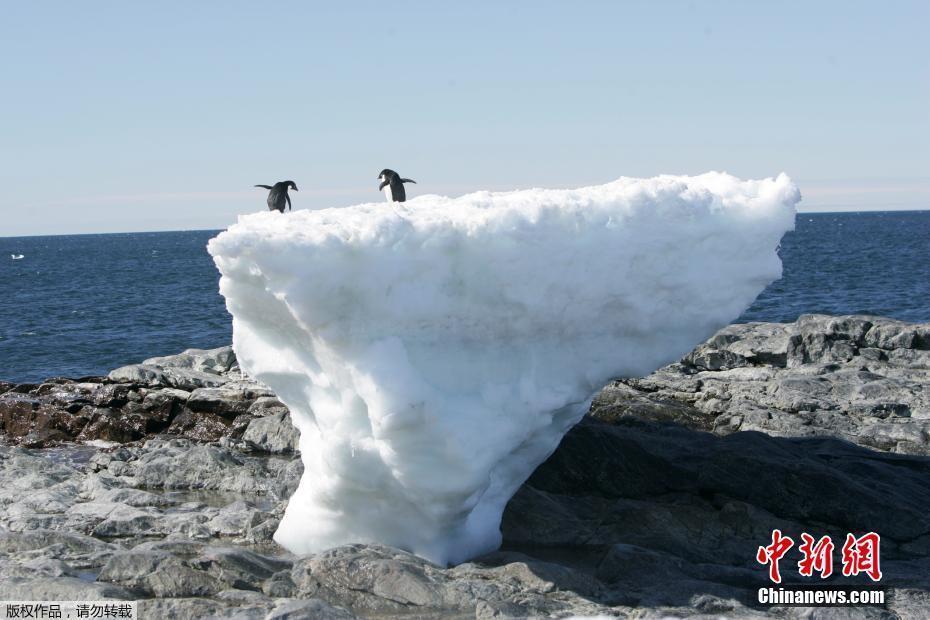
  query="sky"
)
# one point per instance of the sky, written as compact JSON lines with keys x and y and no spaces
{"x":120,"y":116}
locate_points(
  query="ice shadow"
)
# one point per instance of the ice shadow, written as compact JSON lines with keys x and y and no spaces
{"x":657,"y":514}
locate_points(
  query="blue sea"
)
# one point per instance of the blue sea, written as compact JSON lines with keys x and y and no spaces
{"x":81,"y":305}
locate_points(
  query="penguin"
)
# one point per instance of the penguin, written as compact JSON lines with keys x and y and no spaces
{"x":393,"y":185}
{"x":278,"y":195}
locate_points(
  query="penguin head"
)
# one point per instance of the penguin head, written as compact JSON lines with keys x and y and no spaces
{"x":291,"y":185}
{"x":386,"y":175}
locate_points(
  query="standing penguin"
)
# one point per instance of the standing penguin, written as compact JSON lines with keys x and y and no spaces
{"x":393,"y":185}
{"x":278,"y":195}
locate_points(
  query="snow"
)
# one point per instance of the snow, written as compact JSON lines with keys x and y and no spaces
{"x":433,"y":353}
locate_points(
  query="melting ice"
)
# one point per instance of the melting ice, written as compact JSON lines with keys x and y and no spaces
{"x":434,"y":353}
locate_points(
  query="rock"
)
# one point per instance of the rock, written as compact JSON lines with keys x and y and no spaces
{"x":228,"y":401}
{"x":653,"y":507}
{"x":199,"y":394}
{"x":273,"y":433}
{"x":199,"y":425}
{"x":215,"y":361}
{"x":236,"y":519}
{"x":128,"y":521}
{"x":115,"y":425}
{"x":240,"y":568}
{"x":196,"y":608}
{"x":180,"y":464}
{"x":373,"y":580}
{"x":43,"y":588}
{"x":181,"y":378}
{"x":687,"y":509}
{"x":309,"y":608}
{"x":78,"y":550}
{"x":267,"y":405}
{"x":280,"y":585}
{"x":30,"y":421}
{"x":158,"y":573}
{"x":138,"y":374}
{"x":192,"y":369}
{"x":863,"y":379}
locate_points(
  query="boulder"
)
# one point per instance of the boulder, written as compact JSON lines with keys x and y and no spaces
{"x":273,"y":433}
{"x":158,"y":573}
{"x":861,"y":378}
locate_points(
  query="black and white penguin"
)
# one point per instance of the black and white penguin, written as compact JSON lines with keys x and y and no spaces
{"x":278,"y":195}
{"x":393,"y":185}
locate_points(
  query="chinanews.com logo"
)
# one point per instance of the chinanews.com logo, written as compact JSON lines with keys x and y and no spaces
{"x":859,"y":555}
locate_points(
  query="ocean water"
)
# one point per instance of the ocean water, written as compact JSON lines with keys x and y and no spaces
{"x":81,"y":305}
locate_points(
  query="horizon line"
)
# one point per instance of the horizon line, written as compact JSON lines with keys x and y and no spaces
{"x":184,"y":230}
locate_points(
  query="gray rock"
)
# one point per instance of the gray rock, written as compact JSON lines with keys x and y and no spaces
{"x":308,"y":608}
{"x":653,"y":507}
{"x":862,"y":379}
{"x":158,"y":573}
{"x":214,"y":361}
{"x":128,"y":521}
{"x":267,"y":405}
{"x":375,"y":580}
{"x":59,"y":589}
{"x":181,"y":378}
{"x":240,"y":568}
{"x":60,"y":545}
{"x":198,"y":608}
{"x":180,"y":464}
{"x":138,"y":374}
{"x":236,"y":519}
{"x":190,"y":370}
{"x":229,"y":401}
{"x":273,"y":433}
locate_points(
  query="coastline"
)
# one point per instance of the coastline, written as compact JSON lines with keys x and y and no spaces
{"x":656,"y":501}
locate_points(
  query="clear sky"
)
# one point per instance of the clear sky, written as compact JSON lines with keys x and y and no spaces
{"x":125,"y":116}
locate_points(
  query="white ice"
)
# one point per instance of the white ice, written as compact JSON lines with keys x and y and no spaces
{"x":434,"y":353}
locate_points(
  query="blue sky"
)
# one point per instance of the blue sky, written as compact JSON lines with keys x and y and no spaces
{"x":161,"y":116}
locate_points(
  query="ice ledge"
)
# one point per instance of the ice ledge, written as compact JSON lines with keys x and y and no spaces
{"x":434,"y":353}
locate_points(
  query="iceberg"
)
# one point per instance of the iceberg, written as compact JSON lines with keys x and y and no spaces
{"x":433,"y":353}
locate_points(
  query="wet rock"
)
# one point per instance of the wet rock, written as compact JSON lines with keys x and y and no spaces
{"x":198,"y":425}
{"x":27,"y":419}
{"x":267,"y":405}
{"x":228,"y":401}
{"x":114,"y":425}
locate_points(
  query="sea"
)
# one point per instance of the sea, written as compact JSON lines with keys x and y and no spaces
{"x":81,"y":305}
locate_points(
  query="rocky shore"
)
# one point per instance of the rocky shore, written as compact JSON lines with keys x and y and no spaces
{"x":164,"y":482}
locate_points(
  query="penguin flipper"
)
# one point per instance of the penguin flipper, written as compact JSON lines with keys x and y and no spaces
{"x":265,"y":186}
{"x":408,"y":181}
{"x":383,"y":183}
